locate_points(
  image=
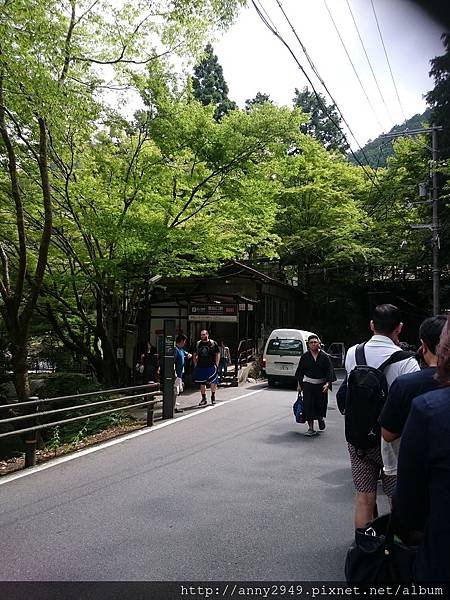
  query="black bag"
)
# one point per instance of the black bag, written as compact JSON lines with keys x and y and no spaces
{"x":366,"y":394}
{"x":377,"y":556}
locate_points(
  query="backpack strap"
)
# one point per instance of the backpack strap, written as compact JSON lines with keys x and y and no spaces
{"x":360,"y":355}
{"x":394,"y":358}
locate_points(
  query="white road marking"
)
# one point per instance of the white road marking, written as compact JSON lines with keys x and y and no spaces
{"x":119,"y":440}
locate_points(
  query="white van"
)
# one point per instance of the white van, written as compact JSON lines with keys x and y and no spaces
{"x":282,"y":354}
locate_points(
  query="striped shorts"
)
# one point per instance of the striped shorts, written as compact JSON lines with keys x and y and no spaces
{"x":367,"y":469}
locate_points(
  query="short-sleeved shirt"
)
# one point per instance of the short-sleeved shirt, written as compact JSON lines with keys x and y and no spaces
{"x":180,"y":355}
{"x":378,"y":349}
{"x":401,"y":393}
{"x":206,"y":353}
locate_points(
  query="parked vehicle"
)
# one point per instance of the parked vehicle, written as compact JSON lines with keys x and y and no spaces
{"x":336,"y":352}
{"x":282,"y":353}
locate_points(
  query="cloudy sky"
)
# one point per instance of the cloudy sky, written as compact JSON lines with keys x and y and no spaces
{"x":254,"y":60}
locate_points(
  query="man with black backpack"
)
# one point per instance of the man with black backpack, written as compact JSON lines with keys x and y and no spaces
{"x":371,"y":369}
{"x":206,"y":361}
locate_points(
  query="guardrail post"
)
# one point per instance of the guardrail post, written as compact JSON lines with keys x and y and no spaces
{"x":31,"y":438}
{"x":150,"y":415}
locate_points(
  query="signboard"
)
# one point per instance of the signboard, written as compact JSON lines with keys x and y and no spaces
{"x":168,"y":373}
{"x":249,"y":307}
{"x":213,"y":312}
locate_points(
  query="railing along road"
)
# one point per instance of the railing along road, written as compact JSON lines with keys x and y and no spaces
{"x":33,"y":413}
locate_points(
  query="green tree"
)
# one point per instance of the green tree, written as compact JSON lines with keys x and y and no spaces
{"x":322,"y":119}
{"x":39,"y":105}
{"x":50,"y":98}
{"x":321,"y":221}
{"x":439,"y":97}
{"x":396,"y":206}
{"x":174,"y":194}
{"x":260,"y":98}
{"x":325,"y":233}
{"x":209,"y":84}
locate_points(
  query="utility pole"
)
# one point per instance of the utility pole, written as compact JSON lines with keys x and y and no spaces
{"x":435,"y":223}
{"x":434,"y":226}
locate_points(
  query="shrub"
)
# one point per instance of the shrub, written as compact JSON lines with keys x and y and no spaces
{"x":68,"y":384}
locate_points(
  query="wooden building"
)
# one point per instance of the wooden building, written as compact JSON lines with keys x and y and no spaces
{"x":238,"y":304}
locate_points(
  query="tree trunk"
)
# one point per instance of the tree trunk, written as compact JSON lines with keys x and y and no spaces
{"x":110,"y":368}
{"x":21,"y":378}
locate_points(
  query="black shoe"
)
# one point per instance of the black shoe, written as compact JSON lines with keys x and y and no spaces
{"x":203,"y":402}
{"x":178,"y":410}
{"x":213,"y":399}
{"x":321,"y":424}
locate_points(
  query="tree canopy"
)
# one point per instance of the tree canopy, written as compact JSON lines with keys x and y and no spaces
{"x":94,"y":201}
{"x":260,"y":98}
{"x":439,"y":97}
{"x":53,"y":56}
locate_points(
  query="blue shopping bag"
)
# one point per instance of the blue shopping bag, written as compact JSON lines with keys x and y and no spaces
{"x":298,"y":409}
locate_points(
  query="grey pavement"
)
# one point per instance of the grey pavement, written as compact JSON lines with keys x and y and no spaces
{"x":230,"y":492}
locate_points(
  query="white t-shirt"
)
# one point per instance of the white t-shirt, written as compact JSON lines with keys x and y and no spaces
{"x":378,"y":349}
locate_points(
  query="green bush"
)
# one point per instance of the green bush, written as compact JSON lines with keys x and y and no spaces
{"x":68,"y":384}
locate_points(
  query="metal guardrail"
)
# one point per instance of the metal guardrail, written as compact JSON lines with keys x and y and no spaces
{"x":147,"y":392}
{"x":246,"y":349}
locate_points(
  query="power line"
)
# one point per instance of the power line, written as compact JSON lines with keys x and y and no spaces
{"x":380,"y":150}
{"x":317,"y":74}
{"x":274,"y":30}
{"x":369,"y":62}
{"x":269,"y":20}
{"x":353,"y":65}
{"x":387,"y":60}
{"x":319,"y":99}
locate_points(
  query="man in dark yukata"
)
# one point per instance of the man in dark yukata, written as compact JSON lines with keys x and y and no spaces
{"x":315,"y":376}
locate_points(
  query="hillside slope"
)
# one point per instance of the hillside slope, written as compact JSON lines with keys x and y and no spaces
{"x":378,"y":150}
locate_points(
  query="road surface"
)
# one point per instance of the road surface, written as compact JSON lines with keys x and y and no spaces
{"x":230,"y":492}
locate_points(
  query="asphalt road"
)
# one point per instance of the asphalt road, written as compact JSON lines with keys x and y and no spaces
{"x":231,"y":492}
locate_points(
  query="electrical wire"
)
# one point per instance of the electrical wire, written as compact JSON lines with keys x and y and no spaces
{"x":369,"y":63}
{"x":387,"y":60}
{"x":373,"y":180}
{"x":369,"y":102}
{"x":262,"y":13}
{"x":317,"y":74}
{"x":373,"y":210}
{"x":319,"y":99}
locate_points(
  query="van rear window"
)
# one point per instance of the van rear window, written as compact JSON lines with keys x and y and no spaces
{"x":285,"y":347}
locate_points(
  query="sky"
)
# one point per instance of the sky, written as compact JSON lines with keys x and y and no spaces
{"x":253,"y":59}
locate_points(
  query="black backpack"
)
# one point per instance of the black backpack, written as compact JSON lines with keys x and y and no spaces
{"x":367,"y":390}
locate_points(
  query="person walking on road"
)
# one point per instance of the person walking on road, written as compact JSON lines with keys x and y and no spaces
{"x":315,"y":376}
{"x":405,"y":388}
{"x":206,"y":361}
{"x":180,"y":356}
{"x":150,"y":361}
{"x":422,"y":496}
{"x":225,"y":360}
{"x":367,"y":465}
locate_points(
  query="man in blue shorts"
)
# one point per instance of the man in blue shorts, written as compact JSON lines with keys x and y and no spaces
{"x":206,"y":361}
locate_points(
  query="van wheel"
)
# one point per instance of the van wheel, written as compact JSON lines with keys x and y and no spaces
{"x":270,"y":381}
